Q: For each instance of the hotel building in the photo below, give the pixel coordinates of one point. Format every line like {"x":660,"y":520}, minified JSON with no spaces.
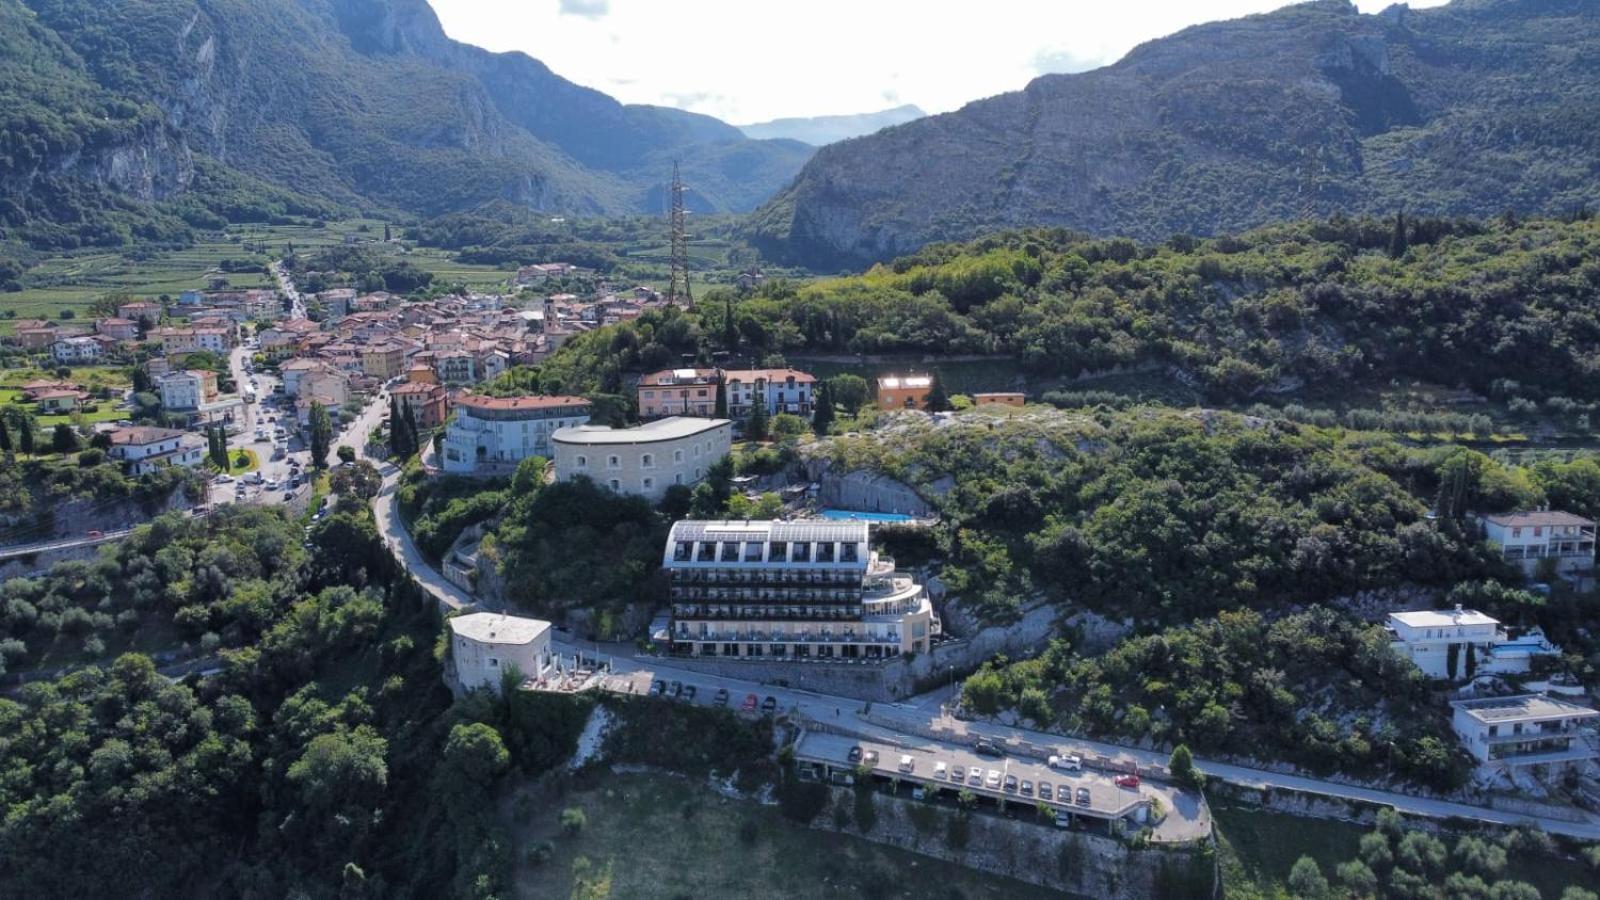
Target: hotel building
{"x":499,"y":432}
{"x":811,"y":590}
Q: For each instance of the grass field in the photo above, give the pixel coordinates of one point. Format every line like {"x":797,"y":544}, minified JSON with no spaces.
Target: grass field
{"x":1259,"y":847}
{"x":654,"y":837}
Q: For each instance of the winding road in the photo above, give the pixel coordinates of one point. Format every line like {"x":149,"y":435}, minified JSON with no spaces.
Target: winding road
{"x":913,"y":721}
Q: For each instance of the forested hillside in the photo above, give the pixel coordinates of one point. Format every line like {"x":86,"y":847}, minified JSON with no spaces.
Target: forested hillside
{"x":1467,"y":109}
{"x":141,"y":119}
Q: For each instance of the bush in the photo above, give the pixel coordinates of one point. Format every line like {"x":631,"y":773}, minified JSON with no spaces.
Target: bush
{"x":573,"y":820}
{"x":540,"y":853}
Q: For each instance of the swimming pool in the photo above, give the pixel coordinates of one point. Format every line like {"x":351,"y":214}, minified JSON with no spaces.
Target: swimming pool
{"x":850,"y":515}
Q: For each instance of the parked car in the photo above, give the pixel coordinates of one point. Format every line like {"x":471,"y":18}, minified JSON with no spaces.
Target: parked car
{"x":769,"y":705}
{"x":854,"y":755}
{"x":1127,"y":781}
{"x":96,"y":534}
{"x":689,"y":692}
{"x":1083,"y":796}
{"x":224,"y":478}
{"x":658,"y":687}
{"x":870,"y":757}
{"x":992,"y":779}
{"x":290,"y":495}
{"x":1011,"y":783}
{"x":1026,"y":788}
{"x":677,"y":688}
{"x":941,"y":769}
{"x":986,"y":747}
{"x":1046,"y":792}
{"x":906,"y":763}
{"x":722,"y":696}
{"x":749,"y":703}
{"x":1067,"y":763}
{"x":975,"y":777}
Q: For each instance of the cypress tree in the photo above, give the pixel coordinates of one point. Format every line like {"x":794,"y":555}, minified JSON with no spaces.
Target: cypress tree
{"x":1398,"y":244}
{"x":938,"y":401}
{"x":721,"y":409}
{"x":5,"y":436}
{"x":25,"y":435}
{"x":730,"y":330}
{"x":756,"y":427}
{"x":822,"y":412}
{"x":413,"y":435}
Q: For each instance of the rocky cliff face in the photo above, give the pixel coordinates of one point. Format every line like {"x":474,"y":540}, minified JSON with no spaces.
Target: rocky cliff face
{"x":1307,"y":111}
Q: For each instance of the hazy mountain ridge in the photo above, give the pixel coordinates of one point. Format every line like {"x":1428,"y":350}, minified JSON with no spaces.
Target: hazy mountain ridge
{"x":820,"y":131}
{"x":1311,"y":110}
{"x":365,"y":103}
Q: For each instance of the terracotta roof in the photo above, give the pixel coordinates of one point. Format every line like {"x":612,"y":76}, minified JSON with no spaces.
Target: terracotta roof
{"x":770,"y":375}
{"x":669,"y":377}
{"x":416,"y":387}
{"x":143,"y":434}
{"x":531,"y":402}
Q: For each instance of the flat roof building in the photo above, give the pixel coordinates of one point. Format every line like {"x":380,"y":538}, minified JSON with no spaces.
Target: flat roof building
{"x":499,"y":432}
{"x":1455,"y":644}
{"x":904,"y":391}
{"x":645,"y":460}
{"x":802,"y":591}
{"x":1526,"y":730}
{"x":484,"y":646}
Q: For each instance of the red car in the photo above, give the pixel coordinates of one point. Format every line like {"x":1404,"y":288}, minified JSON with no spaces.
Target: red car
{"x":96,"y":534}
{"x":749,"y":703}
{"x":1127,"y":781}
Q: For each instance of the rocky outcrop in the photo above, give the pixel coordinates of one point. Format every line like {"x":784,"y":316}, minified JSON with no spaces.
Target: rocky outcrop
{"x":1307,"y":111}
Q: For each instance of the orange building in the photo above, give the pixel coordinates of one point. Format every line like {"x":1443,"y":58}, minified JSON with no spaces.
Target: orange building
{"x":904,"y":391}
{"x":1000,"y":398}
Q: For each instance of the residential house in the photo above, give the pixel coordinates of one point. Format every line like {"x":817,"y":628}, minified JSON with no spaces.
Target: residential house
{"x":646,"y":459}
{"x":384,"y":360}
{"x":143,"y":449}
{"x":455,"y":366}
{"x":58,"y":401}
{"x":120,"y":329}
{"x":904,"y":391}
{"x":73,"y":350}
{"x":499,"y":432}
{"x":1527,"y":731}
{"x":37,"y":337}
{"x":1528,"y":539}
{"x":140,"y":309}
{"x":293,"y":370}
{"x":1464,"y":643}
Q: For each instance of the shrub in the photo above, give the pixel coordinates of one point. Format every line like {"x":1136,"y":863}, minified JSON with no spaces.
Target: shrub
{"x":573,"y":820}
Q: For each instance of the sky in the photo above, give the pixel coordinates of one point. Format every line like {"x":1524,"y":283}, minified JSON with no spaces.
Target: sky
{"x":749,"y":61}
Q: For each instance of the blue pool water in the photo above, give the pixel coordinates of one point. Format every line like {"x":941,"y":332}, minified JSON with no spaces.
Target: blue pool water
{"x":850,"y":515}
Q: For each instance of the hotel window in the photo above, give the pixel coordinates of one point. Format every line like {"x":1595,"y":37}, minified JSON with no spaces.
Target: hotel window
{"x":730,"y":551}
{"x":824,"y":552}
{"x":708,"y":552}
{"x":847,"y":552}
{"x":802,"y":553}
{"x":752,"y":551}
{"x":778,"y":551}
{"x":682,"y":551}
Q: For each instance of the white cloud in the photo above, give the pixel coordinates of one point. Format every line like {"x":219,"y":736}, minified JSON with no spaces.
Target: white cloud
{"x":589,"y":9}
{"x":748,"y":61}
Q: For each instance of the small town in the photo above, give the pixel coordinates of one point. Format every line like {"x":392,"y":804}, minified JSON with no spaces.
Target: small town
{"x":443,"y":456}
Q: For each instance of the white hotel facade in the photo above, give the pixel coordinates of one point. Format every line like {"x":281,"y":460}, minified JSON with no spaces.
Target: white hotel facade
{"x":801,"y":591}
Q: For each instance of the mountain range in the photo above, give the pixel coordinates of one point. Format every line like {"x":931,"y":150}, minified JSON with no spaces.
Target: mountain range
{"x":213,"y":105}
{"x":1467,"y":109}
{"x":819,"y":131}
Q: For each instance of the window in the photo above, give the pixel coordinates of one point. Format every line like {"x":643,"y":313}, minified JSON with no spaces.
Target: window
{"x":1516,"y":532}
{"x":708,"y":552}
{"x":1538,"y":531}
{"x":613,"y":462}
{"x":778,"y":551}
{"x":647,"y":461}
{"x":825,"y":553}
{"x":582,"y":462}
{"x":649,"y":484}
{"x":730,"y":551}
{"x":677,"y":456}
{"x":649,"y":395}
{"x":752,"y":551}
{"x":494,"y":662}
{"x":802,"y":552}
{"x":847,"y":552}
{"x":615,"y":485}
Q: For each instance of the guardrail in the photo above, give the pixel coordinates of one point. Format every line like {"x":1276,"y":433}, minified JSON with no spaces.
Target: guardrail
{"x":16,"y":550}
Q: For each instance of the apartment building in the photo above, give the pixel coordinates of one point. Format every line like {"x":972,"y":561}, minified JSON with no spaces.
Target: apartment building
{"x":117,"y":329}
{"x":188,"y":389}
{"x":791,"y":591}
{"x":499,"y":432}
{"x":429,"y":403}
{"x":1527,"y":730}
{"x":384,"y":360}
{"x":1529,"y":538}
{"x":782,"y":390}
{"x":678,"y":392}
{"x":81,"y":349}
{"x":214,"y":339}
{"x":644,"y":460}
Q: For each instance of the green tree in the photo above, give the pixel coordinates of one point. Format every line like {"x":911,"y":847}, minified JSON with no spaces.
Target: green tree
{"x":346,"y":453}
{"x":1306,"y":880}
{"x":720,"y":411}
{"x":938,"y":400}
{"x":474,"y":756}
{"x":63,"y":439}
{"x":730,"y":329}
{"x":850,"y":392}
{"x":25,"y":434}
{"x":822,"y":409}
{"x":5,"y":437}
{"x":1181,"y":764}
{"x":413,"y":434}
{"x":1398,"y":241}
{"x":397,"y":430}
{"x":321,"y":427}
{"x":756,"y":426}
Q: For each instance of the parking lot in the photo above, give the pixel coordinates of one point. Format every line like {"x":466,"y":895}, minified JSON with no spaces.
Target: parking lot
{"x":1002,"y":780}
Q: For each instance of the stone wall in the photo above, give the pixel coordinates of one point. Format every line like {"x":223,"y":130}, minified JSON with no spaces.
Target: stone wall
{"x":1079,"y":863}
{"x":864,"y":491}
{"x":34,"y":564}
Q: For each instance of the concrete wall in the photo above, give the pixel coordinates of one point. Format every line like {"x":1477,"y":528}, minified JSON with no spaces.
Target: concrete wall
{"x":864,"y":491}
{"x":1081,"y":864}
